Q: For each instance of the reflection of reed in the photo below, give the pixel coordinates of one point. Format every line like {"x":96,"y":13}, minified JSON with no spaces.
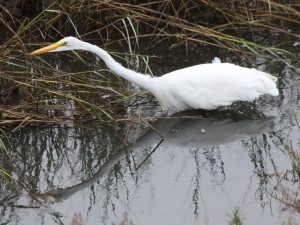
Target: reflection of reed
{"x":182,"y":130}
{"x":40,"y":155}
{"x":286,"y":188}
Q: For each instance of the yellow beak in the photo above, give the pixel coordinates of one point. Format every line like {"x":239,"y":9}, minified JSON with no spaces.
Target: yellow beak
{"x":47,"y":48}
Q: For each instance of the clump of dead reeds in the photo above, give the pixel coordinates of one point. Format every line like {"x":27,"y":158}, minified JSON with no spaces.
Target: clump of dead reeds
{"x":33,"y":90}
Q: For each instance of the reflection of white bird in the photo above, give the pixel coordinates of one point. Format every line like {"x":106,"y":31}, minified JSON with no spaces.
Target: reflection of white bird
{"x":205,"y":86}
{"x":191,"y":130}
{"x":182,"y":132}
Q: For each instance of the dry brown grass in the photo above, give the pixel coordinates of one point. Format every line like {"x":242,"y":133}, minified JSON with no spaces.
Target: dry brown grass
{"x":32,"y":90}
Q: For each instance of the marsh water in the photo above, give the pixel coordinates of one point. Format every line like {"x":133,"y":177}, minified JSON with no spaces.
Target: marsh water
{"x":207,"y":166}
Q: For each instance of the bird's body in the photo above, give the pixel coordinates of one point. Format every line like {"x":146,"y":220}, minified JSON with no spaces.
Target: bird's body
{"x":209,"y":86}
{"x":204,"y":86}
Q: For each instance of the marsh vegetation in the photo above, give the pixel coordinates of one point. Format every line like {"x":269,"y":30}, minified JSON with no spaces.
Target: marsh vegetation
{"x":41,"y":89}
{"x":76,"y":138}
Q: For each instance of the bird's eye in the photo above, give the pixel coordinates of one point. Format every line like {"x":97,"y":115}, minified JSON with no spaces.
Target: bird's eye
{"x":65,"y":44}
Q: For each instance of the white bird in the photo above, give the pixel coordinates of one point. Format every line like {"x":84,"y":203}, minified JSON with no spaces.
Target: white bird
{"x":204,"y":86}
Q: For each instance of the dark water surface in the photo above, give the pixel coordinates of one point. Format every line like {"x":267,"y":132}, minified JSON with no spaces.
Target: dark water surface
{"x":208,"y":164}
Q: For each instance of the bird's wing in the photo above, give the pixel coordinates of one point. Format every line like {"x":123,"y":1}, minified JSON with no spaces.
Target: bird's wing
{"x":209,"y":86}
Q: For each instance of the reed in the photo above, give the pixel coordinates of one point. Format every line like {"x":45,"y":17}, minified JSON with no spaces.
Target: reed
{"x":33,"y":90}
{"x":235,"y":217}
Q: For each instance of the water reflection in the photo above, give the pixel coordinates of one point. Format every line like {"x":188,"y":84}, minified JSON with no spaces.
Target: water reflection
{"x":55,"y":163}
{"x":183,"y":130}
{"x":189,"y":129}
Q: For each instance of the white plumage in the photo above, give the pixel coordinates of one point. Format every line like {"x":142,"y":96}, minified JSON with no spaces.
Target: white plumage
{"x":204,"y":86}
{"x":208,"y":86}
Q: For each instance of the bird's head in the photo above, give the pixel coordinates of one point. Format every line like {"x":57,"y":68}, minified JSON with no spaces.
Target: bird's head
{"x":65,"y":44}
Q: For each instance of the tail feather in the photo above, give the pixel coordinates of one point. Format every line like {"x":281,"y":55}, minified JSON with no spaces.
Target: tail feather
{"x":216,"y":60}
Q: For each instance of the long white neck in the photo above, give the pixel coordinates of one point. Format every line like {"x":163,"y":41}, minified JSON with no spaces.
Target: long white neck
{"x":139,"y":79}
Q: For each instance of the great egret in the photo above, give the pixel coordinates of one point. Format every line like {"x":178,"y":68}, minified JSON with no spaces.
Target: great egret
{"x":204,"y":86}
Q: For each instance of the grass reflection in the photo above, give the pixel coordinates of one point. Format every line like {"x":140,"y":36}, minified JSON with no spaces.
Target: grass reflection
{"x":53,"y":164}
{"x":287,"y":188}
